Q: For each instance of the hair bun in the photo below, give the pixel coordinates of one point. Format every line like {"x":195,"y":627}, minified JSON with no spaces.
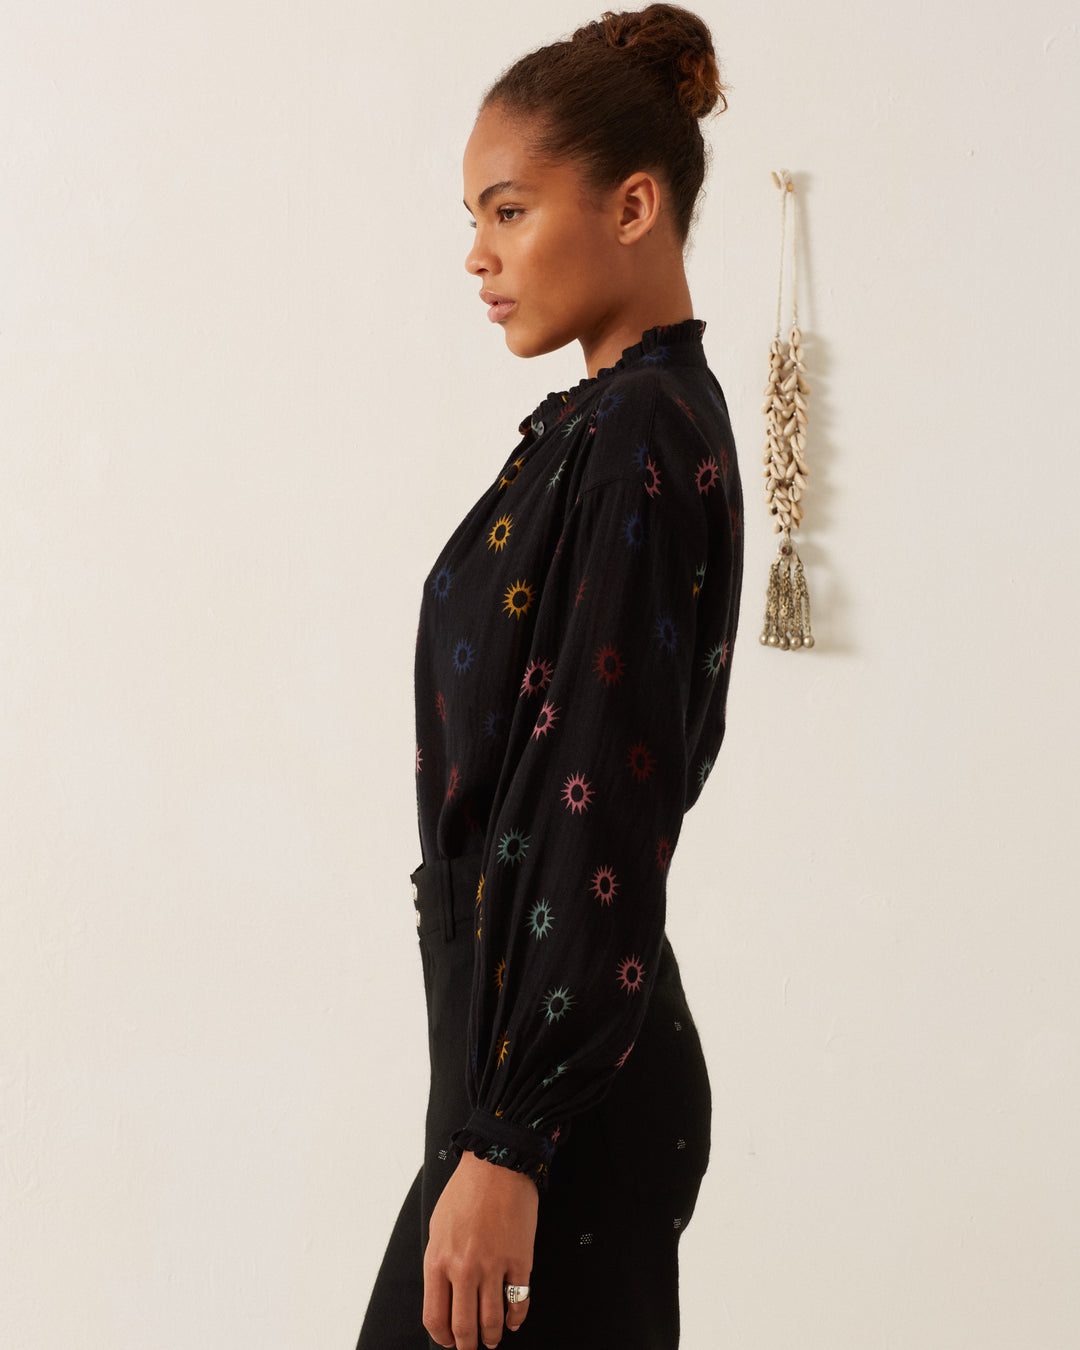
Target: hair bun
{"x":669,"y":39}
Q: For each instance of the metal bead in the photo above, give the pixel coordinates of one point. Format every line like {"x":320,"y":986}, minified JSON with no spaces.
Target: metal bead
{"x":796,"y":643}
{"x":784,"y":644}
{"x":764,"y":638}
{"x":774,"y":641}
{"x":808,"y":641}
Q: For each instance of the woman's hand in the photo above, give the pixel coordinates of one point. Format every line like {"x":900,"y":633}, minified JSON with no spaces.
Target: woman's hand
{"x":481,"y":1236}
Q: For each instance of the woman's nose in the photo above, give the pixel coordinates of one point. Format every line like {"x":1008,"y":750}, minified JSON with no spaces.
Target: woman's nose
{"x":479,"y":258}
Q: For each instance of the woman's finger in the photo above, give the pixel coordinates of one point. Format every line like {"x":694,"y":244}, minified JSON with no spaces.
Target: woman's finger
{"x":463,"y":1314}
{"x":437,"y":1306}
{"x":516,"y":1312}
{"x":491,"y":1311}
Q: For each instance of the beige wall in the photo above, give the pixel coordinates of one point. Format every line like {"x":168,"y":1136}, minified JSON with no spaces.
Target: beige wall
{"x":246,"y":392}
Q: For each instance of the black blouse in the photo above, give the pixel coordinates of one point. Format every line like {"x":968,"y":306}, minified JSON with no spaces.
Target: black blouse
{"x":572,"y":666}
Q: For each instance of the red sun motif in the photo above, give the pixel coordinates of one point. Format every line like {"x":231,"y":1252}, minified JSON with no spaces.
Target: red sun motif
{"x":454,"y":783}
{"x":624,"y":1056}
{"x":652,"y":478}
{"x":631,"y":974}
{"x":734,"y":522}
{"x":537,"y":677}
{"x":546,"y":719}
{"x":440,"y":705}
{"x":663,"y":851}
{"x":604,"y":885}
{"x":577,"y":793}
{"x":608,"y":665}
{"x":581,"y":589}
{"x":641,"y":762}
{"x":707,"y":475}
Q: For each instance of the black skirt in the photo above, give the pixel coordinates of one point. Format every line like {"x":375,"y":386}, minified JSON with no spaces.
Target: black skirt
{"x":622,"y":1187}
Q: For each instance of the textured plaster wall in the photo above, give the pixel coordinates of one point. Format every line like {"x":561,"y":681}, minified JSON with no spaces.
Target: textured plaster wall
{"x":246,"y":392}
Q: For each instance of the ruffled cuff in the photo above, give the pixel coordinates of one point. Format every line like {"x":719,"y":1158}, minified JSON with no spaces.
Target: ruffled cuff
{"x":506,"y":1145}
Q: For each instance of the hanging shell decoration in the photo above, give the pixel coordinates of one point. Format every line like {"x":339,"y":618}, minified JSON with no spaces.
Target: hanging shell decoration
{"x":787,"y":604}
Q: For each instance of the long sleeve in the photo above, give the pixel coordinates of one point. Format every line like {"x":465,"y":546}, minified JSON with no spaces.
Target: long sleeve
{"x":616,"y":723}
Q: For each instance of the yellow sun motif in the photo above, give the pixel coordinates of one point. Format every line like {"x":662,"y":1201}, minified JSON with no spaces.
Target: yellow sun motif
{"x":500,"y":533}
{"x":504,"y":1046}
{"x":500,"y":972}
{"x":518,"y":599}
{"x":479,"y":906}
{"x":499,"y":1110}
{"x":508,"y":478}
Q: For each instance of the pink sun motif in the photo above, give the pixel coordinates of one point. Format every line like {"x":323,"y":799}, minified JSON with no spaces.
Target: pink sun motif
{"x":581,"y":589}
{"x":419,"y":757}
{"x":706,"y":476}
{"x":734,"y":522}
{"x":608,"y":664}
{"x":624,"y":1056}
{"x":440,"y":705}
{"x":631,"y":974}
{"x":454,"y":783}
{"x":604,"y":885}
{"x":640,"y":761}
{"x":686,"y":408}
{"x":725,"y":464}
{"x":652,"y":479}
{"x":577,"y":793}
{"x":537,"y":677}
{"x":663,"y":851}
{"x":547,"y":718}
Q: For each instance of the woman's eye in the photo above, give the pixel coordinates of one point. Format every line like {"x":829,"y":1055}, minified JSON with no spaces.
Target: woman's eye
{"x":502,"y":213}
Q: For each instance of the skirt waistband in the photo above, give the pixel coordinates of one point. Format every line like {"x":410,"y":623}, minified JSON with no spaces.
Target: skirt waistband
{"x":444,"y":895}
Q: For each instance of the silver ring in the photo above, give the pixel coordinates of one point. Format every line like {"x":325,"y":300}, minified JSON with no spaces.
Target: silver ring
{"x":517,"y":1293}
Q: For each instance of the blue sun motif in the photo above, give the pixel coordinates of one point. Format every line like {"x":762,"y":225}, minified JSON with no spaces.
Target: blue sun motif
{"x":607,"y":405}
{"x":541,"y":921}
{"x":556,"y":1003}
{"x":513,"y":846}
{"x":665,"y":634}
{"x":704,"y":770}
{"x":463,"y":656}
{"x":495,"y":724}
{"x":495,"y":1154}
{"x":656,"y":357}
{"x":633,"y":532}
{"x":440,"y":586}
{"x":641,"y":454}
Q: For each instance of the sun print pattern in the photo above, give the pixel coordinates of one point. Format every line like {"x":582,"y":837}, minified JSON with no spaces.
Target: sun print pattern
{"x":577,"y":793}
{"x":604,"y":885}
{"x":518,"y":599}
{"x":546,"y":720}
{"x":568,"y":639}
{"x":500,"y":533}
{"x":631,"y":974}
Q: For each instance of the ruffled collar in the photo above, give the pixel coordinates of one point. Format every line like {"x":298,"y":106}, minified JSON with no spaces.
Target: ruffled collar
{"x":683,"y":336}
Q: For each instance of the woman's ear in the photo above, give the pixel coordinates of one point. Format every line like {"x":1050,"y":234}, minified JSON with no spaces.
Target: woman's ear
{"x":638,"y":199}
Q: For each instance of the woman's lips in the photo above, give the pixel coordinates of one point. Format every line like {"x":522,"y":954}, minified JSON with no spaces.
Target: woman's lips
{"x":500,"y":310}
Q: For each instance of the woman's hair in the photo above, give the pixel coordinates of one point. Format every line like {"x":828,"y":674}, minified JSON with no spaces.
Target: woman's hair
{"x":625,"y":93}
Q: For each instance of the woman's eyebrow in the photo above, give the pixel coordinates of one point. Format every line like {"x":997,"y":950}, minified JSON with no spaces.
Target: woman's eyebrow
{"x":489,"y":192}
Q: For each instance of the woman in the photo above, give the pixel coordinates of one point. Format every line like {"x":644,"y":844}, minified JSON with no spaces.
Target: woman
{"x":572,"y":664}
